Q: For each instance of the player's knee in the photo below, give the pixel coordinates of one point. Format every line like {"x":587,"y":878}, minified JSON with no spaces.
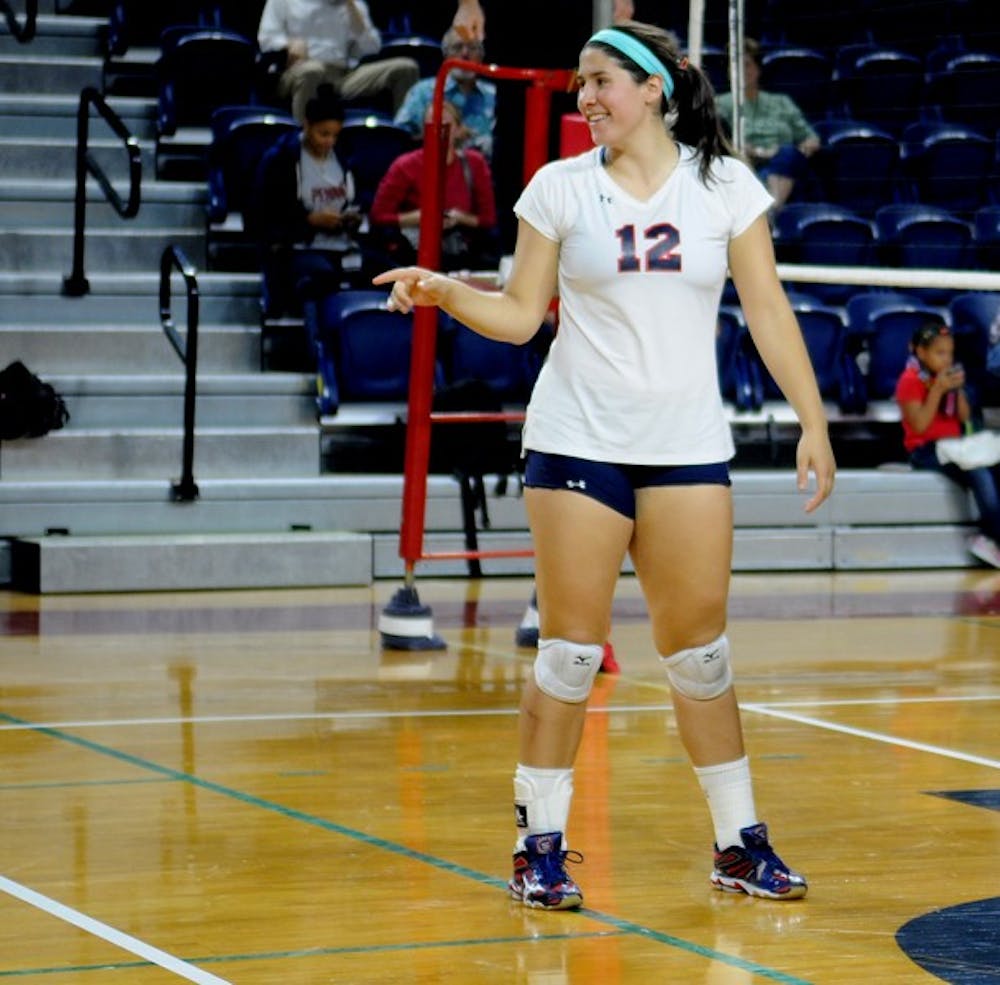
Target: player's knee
{"x":701,"y":672}
{"x":566,"y":671}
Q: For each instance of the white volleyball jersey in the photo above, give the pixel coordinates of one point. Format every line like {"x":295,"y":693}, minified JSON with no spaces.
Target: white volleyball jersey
{"x":631,"y":376}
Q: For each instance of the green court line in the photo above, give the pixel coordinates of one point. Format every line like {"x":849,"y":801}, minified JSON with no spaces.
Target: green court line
{"x":82,"y":783}
{"x":381,"y":843}
{"x":321,"y":952}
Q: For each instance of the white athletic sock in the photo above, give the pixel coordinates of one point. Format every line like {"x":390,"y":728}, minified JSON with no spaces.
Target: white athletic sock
{"x":541,"y":801}
{"x":729,"y":790}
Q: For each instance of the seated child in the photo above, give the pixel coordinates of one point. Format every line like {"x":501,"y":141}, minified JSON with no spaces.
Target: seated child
{"x":932,"y":399}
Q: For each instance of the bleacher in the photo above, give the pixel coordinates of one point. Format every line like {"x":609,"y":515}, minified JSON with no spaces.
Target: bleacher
{"x":297,"y":491}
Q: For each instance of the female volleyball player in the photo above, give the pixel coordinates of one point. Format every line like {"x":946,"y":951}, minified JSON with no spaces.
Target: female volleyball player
{"x":626,"y":438}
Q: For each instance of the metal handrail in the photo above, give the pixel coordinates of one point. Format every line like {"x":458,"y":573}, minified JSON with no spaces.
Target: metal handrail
{"x":76,"y":284}
{"x":185,"y":490}
{"x":25,"y":32}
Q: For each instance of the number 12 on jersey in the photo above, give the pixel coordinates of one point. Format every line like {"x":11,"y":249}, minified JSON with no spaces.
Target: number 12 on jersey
{"x":661,"y":251}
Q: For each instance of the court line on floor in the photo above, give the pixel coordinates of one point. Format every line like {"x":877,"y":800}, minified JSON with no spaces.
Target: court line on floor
{"x":321,"y":952}
{"x":861,"y":733}
{"x":383,"y":844}
{"x":310,"y":716}
{"x":298,"y":717}
{"x":110,"y":934}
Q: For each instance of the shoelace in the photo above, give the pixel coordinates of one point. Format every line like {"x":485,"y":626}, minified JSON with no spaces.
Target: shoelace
{"x":551,"y":867}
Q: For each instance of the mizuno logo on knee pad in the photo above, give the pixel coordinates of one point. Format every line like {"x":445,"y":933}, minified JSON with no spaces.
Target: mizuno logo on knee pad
{"x":701,"y":672}
{"x":566,"y":671}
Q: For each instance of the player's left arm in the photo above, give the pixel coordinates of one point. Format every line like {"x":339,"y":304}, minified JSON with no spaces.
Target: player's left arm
{"x":778,"y":339}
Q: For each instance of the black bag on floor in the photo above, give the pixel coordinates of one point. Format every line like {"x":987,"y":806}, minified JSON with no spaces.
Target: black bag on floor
{"x":29,"y":407}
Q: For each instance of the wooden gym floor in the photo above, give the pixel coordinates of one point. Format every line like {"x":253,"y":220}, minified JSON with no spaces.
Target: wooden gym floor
{"x":242,"y":787}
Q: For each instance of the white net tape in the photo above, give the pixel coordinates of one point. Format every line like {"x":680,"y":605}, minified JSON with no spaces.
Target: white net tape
{"x":902,"y":277}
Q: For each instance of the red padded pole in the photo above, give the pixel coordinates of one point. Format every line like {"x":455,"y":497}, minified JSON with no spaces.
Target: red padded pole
{"x":418,"y":426}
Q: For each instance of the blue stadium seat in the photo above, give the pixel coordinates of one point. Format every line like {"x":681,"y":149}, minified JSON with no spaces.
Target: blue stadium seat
{"x":884,"y":87}
{"x":792,"y":22}
{"x":510,"y":370}
{"x":882,"y":324}
{"x":139,"y":23}
{"x":915,"y":235}
{"x":368,"y":144}
{"x":948,"y":164}
{"x":858,"y":164}
{"x":738,"y":364}
{"x":827,"y":234}
{"x":973,"y":314}
{"x":240,"y":136}
{"x":986,"y":229}
{"x":912,"y":25}
{"x":200,"y":71}
{"x":824,"y":330}
{"x":967,"y":90}
{"x":803,"y":74}
{"x":362,"y":349}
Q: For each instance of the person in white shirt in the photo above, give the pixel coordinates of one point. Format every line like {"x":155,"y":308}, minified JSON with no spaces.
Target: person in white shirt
{"x":304,"y":211}
{"x":626,"y":439}
{"x":324,"y":41}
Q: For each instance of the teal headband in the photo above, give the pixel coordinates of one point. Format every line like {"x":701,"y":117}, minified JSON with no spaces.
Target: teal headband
{"x":638,"y":52}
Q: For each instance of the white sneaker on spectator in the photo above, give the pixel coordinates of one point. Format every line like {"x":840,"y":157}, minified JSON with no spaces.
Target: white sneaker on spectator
{"x":985,"y":549}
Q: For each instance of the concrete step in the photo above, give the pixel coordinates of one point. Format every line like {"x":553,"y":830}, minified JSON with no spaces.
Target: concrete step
{"x":106,"y":349}
{"x":23,"y":71}
{"x":55,"y":157}
{"x":172,"y":562}
{"x":271,"y":400}
{"x":861,"y":528}
{"x":47,"y":116}
{"x":124,"y":247}
{"x":263,"y":501}
{"x":55,"y":35}
{"x":27,"y":203}
{"x":35,"y":297}
{"x":146,"y":453}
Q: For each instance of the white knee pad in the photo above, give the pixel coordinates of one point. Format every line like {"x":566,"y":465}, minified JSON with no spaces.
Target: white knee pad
{"x":566,"y":671}
{"x":701,"y":672}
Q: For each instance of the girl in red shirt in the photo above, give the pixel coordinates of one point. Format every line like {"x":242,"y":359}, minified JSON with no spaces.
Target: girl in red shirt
{"x":932,"y":399}
{"x":470,"y":215}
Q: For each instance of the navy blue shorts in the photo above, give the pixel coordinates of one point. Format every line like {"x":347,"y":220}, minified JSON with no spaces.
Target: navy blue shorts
{"x":615,"y":485}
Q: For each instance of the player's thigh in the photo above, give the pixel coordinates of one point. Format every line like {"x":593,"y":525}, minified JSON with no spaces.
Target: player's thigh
{"x":682,"y":553}
{"x":579,"y":548}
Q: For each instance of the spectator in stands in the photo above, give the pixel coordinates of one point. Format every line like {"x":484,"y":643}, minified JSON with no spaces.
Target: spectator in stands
{"x":305,"y":214}
{"x":324,"y":41}
{"x":934,"y":406}
{"x":470,"y":216}
{"x":627,"y":445}
{"x":778,"y":138}
{"x":473,"y":96}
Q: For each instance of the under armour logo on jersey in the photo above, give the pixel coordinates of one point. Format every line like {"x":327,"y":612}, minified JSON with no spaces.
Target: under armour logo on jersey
{"x":576,"y":483}
{"x":602,"y":198}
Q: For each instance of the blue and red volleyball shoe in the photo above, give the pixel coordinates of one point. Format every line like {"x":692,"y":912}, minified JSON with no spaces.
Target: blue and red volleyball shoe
{"x":755,"y":869}
{"x":540,"y":878}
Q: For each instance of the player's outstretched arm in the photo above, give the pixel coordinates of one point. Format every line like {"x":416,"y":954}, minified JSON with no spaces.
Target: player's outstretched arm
{"x":512,"y":314}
